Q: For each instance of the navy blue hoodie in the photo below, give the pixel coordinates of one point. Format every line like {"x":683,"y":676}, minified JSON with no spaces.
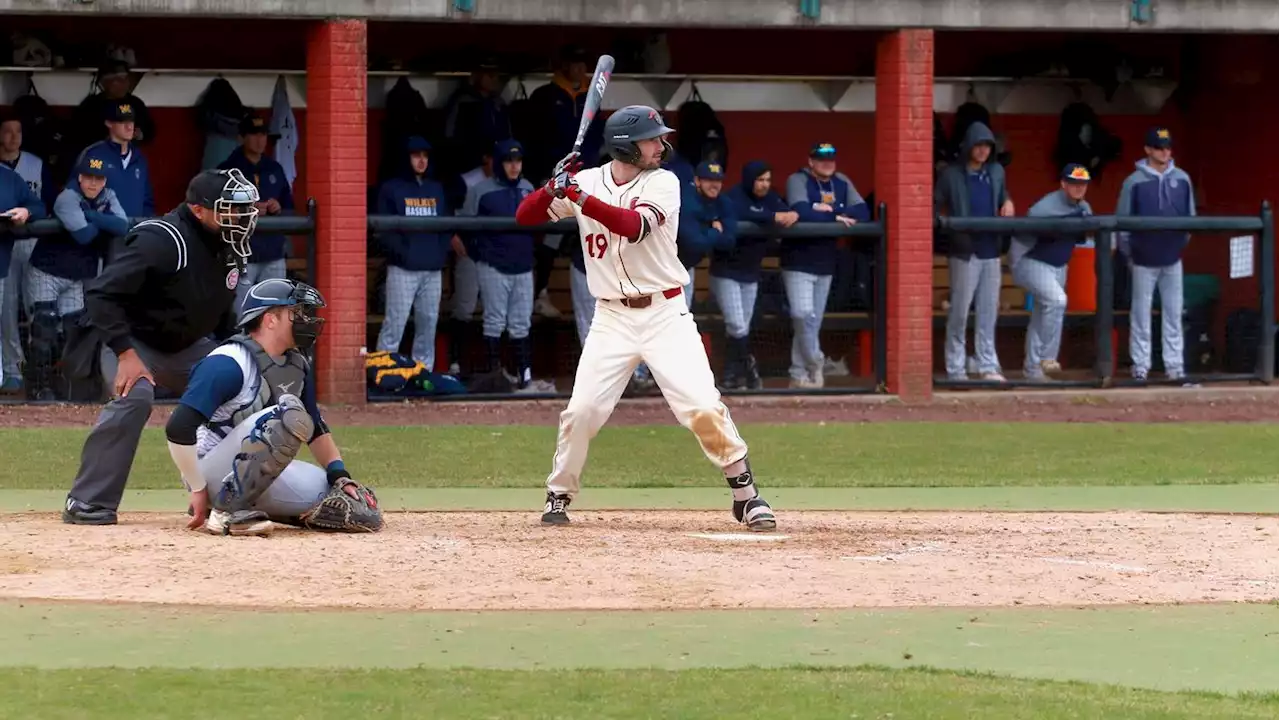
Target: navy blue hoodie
{"x":128,"y":175}
{"x":817,"y":256}
{"x":90,"y":225}
{"x":1151,"y":193}
{"x":14,"y":193}
{"x":510,"y":253}
{"x":412,"y":195}
{"x":268,"y":176}
{"x":696,"y":237}
{"x":742,"y":263}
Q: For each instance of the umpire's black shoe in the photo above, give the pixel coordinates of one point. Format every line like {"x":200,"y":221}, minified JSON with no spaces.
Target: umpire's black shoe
{"x":556,"y":511}
{"x":78,"y":513}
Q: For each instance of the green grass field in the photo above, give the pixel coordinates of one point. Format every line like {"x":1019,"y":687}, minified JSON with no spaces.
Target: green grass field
{"x":71,"y":660}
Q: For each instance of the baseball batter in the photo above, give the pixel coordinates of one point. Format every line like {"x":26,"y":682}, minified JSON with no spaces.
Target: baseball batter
{"x":628,"y":213}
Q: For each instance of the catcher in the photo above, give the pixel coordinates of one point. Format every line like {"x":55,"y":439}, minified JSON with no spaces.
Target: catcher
{"x":248,"y":408}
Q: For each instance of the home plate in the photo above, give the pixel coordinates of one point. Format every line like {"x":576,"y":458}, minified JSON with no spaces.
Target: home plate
{"x":739,"y":537}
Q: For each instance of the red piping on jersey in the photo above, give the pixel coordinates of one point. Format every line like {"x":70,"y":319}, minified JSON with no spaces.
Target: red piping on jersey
{"x":620,"y":221}
{"x":533,"y":209}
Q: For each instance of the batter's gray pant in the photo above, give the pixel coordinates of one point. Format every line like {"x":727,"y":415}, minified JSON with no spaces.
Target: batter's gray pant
{"x":256,"y":272}
{"x":973,"y":281}
{"x":508,"y":302}
{"x":584,"y":306}
{"x":1145,"y":282}
{"x":807,"y":296}
{"x":466,"y":289}
{"x":108,"y":452}
{"x":10,"y":295}
{"x":296,"y":490}
{"x":418,"y":290}
{"x":1047,"y":285}
{"x":45,"y":288}
{"x":737,"y":302}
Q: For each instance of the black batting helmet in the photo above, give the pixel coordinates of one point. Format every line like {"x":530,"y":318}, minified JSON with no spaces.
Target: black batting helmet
{"x":632,"y":123}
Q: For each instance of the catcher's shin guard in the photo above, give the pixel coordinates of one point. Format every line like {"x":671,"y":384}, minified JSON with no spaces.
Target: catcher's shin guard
{"x":266,"y":451}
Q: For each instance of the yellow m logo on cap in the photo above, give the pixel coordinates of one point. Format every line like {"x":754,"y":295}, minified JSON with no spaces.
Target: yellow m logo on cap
{"x":126,"y":109}
{"x":1162,"y":134}
{"x":95,"y":164}
{"x":714,"y":168}
{"x":1079,"y":173}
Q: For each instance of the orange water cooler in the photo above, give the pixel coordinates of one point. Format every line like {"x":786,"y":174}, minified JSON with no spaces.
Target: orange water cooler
{"x":1082,"y":279}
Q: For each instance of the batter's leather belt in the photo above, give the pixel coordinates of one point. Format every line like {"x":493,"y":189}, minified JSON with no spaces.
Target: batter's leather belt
{"x":646,"y":300}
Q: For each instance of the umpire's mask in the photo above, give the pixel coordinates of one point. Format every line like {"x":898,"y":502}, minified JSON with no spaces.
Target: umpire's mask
{"x":231,"y":197}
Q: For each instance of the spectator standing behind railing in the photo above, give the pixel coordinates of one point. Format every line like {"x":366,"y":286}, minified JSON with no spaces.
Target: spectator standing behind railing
{"x":707,"y":221}
{"x":415,"y":259}
{"x":974,"y":186}
{"x":18,"y":205}
{"x":269,"y":250}
{"x":735,"y":273}
{"x":818,"y":194}
{"x":36,"y":173}
{"x":1157,"y":188}
{"x":91,"y":217}
{"x":475,"y":117}
{"x":86,"y":122}
{"x":466,"y":281}
{"x":1039,"y":265}
{"x":128,"y":174}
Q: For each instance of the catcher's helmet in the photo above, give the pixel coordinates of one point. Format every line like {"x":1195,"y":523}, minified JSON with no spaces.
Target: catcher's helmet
{"x":278,"y":292}
{"x":632,"y":123}
{"x":231,"y":197}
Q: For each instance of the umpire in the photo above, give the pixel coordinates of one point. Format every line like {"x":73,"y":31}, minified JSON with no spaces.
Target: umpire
{"x":169,"y":287}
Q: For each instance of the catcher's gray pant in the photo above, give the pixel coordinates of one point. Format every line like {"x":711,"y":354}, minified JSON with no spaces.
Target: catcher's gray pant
{"x":584,"y":306}
{"x":45,"y":288}
{"x":508,"y":302}
{"x":295,"y":490}
{"x":1145,"y":282}
{"x":1046,"y":284}
{"x":418,"y":290}
{"x":108,"y":451}
{"x":10,"y":295}
{"x":807,"y":296}
{"x":973,"y":281}
{"x":737,"y":302}
{"x":256,"y":272}
{"x":466,"y":289}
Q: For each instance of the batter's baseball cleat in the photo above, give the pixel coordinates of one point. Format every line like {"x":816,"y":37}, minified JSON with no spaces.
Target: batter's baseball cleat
{"x":755,"y":514}
{"x":556,"y":511}
{"x":78,"y":513}
{"x":241,"y":522}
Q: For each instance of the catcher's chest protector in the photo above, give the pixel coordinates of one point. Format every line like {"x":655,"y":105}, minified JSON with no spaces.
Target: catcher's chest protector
{"x":274,"y":379}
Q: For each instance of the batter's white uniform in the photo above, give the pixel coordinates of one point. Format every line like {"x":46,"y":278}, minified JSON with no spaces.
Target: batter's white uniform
{"x":623,"y":276}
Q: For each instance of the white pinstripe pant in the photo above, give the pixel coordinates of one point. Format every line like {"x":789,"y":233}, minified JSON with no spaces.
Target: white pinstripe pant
{"x":417,"y":290}
{"x":1145,"y":282}
{"x":737,"y":302}
{"x":10,"y":296}
{"x":584,"y":306}
{"x":973,"y":281}
{"x":42,"y":287}
{"x":1047,"y":285}
{"x":807,"y":296}
{"x":508,"y":302}
{"x":256,"y":272}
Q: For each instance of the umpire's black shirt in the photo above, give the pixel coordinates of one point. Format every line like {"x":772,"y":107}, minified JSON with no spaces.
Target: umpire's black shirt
{"x":170,"y":283}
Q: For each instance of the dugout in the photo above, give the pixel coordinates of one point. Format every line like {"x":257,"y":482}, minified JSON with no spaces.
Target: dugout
{"x":775,"y":91}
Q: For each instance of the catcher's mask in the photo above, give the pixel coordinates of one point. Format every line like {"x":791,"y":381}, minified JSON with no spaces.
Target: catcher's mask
{"x":302,"y":299}
{"x":232,"y":199}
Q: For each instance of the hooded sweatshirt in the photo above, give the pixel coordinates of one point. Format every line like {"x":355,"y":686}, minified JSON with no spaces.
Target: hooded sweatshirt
{"x":510,"y":253}
{"x":14,"y":193}
{"x":1050,"y":248}
{"x":1150,"y":193}
{"x":817,"y":256}
{"x":90,"y":225}
{"x":268,"y":176}
{"x":742,"y":263}
{"x":696,"y":237}
{"x":412,"y":195}
{"x":961,"y":192}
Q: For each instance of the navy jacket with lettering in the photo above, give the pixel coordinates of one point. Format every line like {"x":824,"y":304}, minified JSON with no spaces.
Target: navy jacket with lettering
{"x":414,"y":196}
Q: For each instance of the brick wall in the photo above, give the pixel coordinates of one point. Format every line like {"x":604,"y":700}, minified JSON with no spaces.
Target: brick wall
{"x":903,"y":180}
{"x":335,"y":152}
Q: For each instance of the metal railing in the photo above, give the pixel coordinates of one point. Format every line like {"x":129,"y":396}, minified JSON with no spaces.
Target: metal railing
{"x":1104,"y":228}
{"x":871,"y":231}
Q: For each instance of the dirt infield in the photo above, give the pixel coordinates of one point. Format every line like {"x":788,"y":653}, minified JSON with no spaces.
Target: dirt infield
{"x":650,"y":560}
{"x":1221,"y":404}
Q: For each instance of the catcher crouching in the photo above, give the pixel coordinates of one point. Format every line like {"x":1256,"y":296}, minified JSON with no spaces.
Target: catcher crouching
{"x":248,"y":408}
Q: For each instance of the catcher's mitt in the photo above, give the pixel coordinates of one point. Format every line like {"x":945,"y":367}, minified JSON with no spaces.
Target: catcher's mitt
{"x":348,"y":507}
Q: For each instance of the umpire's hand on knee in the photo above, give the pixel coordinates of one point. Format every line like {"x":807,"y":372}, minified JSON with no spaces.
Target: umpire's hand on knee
{"x":129,"y":371}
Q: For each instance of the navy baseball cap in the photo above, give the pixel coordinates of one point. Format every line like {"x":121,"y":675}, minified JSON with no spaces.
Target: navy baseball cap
{"x":119,"y":112}
{"x":253,"y":125}
{"x":508,"y":150}
{"x":1076,"y":174}
{"x":709,"y":171}
{"x":823,"y":151}
{"x":417,"y":143}
{"x":1159,"y":137}
{"x":90,"y":164}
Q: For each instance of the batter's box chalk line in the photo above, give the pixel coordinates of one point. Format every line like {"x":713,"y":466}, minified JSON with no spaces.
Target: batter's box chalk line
{"x":1098,"y":564}
{"x":739,"y":537}
{"x":890,"y":557}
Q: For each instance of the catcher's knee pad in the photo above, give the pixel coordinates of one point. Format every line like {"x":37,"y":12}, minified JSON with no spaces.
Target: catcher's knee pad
{"x":265,"y":452}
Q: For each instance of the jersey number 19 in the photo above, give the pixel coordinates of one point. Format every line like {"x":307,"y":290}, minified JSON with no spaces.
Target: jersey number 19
{"x":597,"y":245}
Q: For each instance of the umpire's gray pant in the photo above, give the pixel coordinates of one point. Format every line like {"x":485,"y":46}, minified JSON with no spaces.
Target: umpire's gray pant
{"x":1145,"y":281}
{"x":973,"y":282}
{"x":108,"y":452}
{"x":418,"y":290}
{"x":295,"y":491}
{"x":11,"y":293}
{"x":1047,"y":285}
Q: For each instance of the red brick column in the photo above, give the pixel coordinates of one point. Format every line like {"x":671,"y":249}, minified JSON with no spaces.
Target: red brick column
{"x":335,"y":145}
{"x":904,"y":181}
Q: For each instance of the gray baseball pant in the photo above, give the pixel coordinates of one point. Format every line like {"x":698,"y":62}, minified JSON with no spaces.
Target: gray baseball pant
{"x":973,"y":282}
{"x":1047,"y":285}
{"x":1145,"y":282}
{"x":418,"y":290}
